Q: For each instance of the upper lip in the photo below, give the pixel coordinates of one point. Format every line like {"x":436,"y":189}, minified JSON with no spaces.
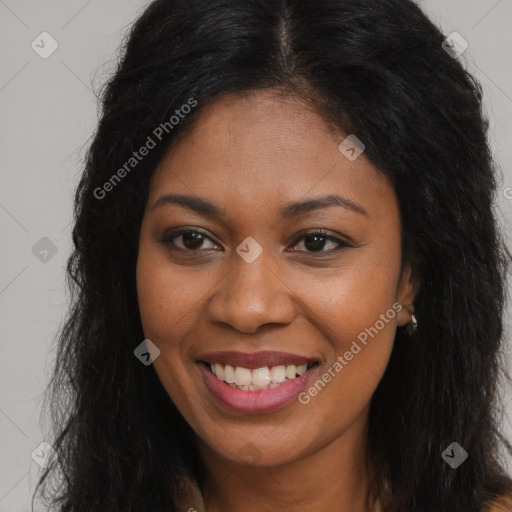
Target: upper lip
{"x":256,"y":360}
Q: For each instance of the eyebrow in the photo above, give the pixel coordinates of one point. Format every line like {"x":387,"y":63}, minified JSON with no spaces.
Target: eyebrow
{"x":287,"y":211}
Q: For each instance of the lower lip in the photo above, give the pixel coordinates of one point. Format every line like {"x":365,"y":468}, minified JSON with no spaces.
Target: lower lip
{"x":255,"y":401}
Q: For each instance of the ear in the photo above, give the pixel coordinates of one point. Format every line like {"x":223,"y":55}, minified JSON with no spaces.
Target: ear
{"x":409,"y":286}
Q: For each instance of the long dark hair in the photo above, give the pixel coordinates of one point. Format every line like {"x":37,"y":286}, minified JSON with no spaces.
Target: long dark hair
{"x":375,"y":68}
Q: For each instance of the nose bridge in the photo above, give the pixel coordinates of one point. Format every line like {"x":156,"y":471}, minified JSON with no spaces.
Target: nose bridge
{"x":251,"y":294}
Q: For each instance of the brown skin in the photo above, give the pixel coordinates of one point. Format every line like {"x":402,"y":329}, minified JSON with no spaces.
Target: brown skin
{"x":250,"y":155}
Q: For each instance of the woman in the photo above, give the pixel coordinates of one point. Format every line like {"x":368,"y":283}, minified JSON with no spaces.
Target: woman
{"x":288,"y":280}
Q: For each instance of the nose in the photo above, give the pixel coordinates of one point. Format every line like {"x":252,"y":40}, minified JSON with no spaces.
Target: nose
{"x":251,"y":295}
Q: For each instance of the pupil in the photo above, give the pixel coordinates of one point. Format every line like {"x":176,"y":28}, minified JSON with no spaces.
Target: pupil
{"x":318,"y":243}
{"x":196,"y":240}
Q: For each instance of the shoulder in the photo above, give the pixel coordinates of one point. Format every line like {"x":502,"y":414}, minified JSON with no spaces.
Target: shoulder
{"x":502,"y":503}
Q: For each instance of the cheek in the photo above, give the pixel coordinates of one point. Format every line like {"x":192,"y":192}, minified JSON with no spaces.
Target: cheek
{"x":166,"y":308}
{"x":356,"y":311}
{"x":352,"y":298}
{"x":167,"y":298}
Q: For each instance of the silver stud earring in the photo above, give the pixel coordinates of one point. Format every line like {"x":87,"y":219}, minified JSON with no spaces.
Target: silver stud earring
{"x":412,"y":325}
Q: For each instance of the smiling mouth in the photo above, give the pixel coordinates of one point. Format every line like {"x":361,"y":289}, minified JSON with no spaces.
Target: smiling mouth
{"x":266,"y":377}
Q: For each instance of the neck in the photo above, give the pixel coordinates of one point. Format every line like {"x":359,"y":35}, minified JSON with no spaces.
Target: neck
{"x":332,"y":477}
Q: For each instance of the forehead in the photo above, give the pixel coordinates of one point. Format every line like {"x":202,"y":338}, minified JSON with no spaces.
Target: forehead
{"x":262,"y":150}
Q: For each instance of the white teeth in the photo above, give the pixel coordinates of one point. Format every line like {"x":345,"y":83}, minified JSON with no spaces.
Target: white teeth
{"x":242,"y":376}
{"x":291,"y":370}
{"x":229,"y":374}
{"x":302,"y":369}
{"x":278,"y":373}
{"x":259,"y":378}
{"x":218,"y":370}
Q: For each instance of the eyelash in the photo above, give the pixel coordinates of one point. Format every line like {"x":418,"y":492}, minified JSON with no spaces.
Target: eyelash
{"x":168,"y":240}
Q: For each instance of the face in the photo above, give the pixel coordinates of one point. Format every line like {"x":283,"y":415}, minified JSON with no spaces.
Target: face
{"x":262,"y":276}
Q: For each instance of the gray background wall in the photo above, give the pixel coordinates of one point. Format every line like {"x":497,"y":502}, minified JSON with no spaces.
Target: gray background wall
{"x":47,"y":113}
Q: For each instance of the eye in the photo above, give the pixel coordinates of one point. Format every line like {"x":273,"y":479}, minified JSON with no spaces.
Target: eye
{"x":186,"y":239}
{"x":191,"y":239}
{"x":315,"y":241}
